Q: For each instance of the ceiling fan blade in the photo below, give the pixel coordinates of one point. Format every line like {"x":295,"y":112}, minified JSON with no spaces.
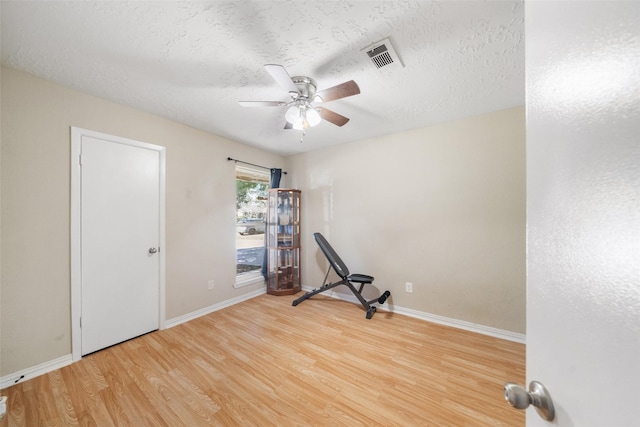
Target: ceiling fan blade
{"x":262,"y":103}
{"x":333,"y":117}
{"x":340,"y":91}
{"x":281,"y":76}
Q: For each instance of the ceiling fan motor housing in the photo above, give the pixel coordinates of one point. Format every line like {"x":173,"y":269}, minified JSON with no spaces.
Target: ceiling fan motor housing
{"x":306,"y":86}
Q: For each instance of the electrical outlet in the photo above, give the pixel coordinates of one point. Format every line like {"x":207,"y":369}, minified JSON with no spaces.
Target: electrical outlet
{"x":212,"y":285}
{"x":408,"y":287}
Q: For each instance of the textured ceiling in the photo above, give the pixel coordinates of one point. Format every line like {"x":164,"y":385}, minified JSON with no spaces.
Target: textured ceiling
{"x":192,"y":61}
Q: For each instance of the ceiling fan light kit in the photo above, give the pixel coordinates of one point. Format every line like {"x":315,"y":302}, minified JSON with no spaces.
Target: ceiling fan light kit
{"x":302,"y":116}
{"x":301,"y":113}
{"x":307,"y":116}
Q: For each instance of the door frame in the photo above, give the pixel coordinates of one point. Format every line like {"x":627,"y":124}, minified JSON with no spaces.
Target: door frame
{"x":76,"y":229}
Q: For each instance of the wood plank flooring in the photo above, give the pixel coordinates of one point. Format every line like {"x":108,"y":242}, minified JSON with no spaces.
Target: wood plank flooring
{"x":265,"y":363}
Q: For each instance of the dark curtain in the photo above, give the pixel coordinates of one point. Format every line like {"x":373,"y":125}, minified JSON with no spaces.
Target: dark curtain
{"x":276,"y":174}
{"x":275,"y":177}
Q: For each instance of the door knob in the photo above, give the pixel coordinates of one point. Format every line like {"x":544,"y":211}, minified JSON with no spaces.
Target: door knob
{"x":152,"y":250}
{"x":537,"y":396}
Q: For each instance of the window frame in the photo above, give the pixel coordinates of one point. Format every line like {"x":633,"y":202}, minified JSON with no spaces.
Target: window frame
{"x":254,"y":174}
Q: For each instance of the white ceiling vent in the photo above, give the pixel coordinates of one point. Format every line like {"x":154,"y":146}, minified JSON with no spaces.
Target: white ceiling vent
{"x":383,"y":55}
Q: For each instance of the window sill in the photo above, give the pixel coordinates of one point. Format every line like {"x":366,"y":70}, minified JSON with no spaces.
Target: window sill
{"x":248,"y":279}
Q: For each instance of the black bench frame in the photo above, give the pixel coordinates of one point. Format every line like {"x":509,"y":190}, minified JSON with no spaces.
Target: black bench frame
{"x":347,"y":279}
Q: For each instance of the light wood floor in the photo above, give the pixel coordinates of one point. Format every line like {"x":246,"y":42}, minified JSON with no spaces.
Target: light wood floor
{"x":266,"y":363}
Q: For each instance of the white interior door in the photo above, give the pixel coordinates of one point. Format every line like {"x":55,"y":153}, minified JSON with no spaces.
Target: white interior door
{"x":120,"y":226}
{"x":583,"y":209}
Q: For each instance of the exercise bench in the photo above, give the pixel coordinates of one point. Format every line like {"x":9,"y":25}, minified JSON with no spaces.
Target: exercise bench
{"x":347,"y":279}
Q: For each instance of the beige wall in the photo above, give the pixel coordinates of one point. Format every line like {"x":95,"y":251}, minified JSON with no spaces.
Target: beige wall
{"x":442,"y":207}
{"x":35,"y":187}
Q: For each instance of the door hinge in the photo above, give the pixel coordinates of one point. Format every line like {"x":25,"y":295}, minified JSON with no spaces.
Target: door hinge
{"x":81,"y":322}
{"x":80,"y":159}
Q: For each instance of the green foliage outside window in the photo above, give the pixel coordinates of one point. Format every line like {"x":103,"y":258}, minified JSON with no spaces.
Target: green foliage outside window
{"x":248,"y":192}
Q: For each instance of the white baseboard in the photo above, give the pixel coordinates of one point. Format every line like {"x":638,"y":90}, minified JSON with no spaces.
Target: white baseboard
{"x":461,"y":324}
{"x":34,"y":371}
{"x":434,"y":318}
{"x":203,"y":311}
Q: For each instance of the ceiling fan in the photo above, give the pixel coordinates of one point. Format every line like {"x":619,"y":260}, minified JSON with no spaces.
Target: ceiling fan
{"x":302,"y":113}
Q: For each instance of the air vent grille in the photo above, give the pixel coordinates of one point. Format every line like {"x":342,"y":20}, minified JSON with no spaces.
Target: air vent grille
{"x":383,"y":55}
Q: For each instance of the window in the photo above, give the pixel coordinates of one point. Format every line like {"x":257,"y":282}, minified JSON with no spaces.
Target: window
{"x":251,"y":212}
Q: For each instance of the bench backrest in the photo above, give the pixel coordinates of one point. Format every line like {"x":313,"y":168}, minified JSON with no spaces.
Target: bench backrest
{"x":338,"y":265}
